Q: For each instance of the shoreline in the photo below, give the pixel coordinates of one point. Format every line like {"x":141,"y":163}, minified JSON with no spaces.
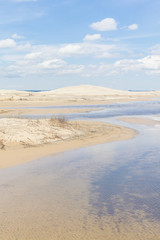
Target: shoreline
{"x":42,"y":111}
{"x":16,"y":155}
{"x":61,"y":106}
{"x":72,"y":102}
{"x":140,"y":120}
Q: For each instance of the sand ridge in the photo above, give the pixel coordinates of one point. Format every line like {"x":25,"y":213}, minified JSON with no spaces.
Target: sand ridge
{"x":140,"y":120}
{"x":23,"y":140}
{"x":43,"y":111}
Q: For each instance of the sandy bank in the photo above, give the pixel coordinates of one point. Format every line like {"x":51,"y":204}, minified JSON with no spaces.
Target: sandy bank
{"x":140,"y":120}
{"x":23,"y":140}
{"x":43,"y":111}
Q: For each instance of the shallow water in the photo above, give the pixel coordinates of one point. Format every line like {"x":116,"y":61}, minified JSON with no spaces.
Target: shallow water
{"x":105,"y":110}
{"x":105,"y":192}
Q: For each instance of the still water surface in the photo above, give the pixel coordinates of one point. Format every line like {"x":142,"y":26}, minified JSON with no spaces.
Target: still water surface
{"x":105,"y":110}
{"x":105,"y":192}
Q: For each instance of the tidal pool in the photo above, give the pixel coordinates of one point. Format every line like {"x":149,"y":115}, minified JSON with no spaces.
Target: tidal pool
{"x":104,"y":192}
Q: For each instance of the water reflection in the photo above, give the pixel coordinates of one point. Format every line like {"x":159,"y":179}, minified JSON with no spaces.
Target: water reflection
{"x":131,"y":187}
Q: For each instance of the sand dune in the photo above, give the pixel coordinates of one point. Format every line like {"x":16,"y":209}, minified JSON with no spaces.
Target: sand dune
{"x":15,"y":131}
{"x":88,"y":90}
{"x":23,"y":140}
{"x":75,"y":95}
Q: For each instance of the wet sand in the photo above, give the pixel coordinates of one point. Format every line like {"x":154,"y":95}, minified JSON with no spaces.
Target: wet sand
{"x":73,"y":102}
{"x":140,"y":120}
{"x":35,"y":111}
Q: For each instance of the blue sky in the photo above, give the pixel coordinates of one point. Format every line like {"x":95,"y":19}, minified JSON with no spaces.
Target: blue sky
{"x":47,"y":44}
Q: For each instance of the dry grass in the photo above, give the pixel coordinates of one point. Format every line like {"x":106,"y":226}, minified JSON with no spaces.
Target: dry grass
{"x":59,"y":121}
{"x":31,"y":132}
{"x":2,"y":145}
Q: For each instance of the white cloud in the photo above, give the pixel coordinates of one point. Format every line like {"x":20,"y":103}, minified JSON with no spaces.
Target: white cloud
{"x":16,"y":36}
{"x":25,"y":60}
{"x":148,"y":65}
{"x":70,"y":49}
{"x":151,"y":62}
{"x":34,"y":55}
{"x":92,"y":37}
{"x":133,"y":26}
{"x":86,"y":49}
{"x":127,"y":65}
{"x":7,"y":43}
{"x":71,"y":69}
{"x":53,"y":64}
{"x":106,"y":24}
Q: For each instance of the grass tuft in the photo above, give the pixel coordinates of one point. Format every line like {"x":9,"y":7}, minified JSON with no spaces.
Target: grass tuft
{"x":58,"y":121}
{"x":2,"y":145}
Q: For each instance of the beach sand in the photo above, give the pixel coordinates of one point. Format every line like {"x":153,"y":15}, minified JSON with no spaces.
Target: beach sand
{"x":23,"y":140}
{"x":140,"y":120}
{"x":37,"y":111}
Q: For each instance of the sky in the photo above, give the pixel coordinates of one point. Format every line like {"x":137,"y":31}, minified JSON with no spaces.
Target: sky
{"x":49,"y":44}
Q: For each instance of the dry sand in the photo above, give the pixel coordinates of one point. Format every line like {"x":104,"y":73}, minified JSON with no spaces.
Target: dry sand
{"x":23,"y":140}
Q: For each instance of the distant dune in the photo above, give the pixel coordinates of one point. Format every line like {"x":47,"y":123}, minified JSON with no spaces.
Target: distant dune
{"x":87,"y":90}
{"x":83,"y":94}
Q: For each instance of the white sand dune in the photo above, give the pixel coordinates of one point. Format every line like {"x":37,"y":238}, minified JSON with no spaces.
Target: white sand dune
{"x":34,"y":132}
{"x":74,"y":94}
{"x":88,"y":90}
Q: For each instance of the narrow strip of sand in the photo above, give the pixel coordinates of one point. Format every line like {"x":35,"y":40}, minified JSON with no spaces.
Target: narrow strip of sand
{"x":73,"y":102}
{"x":44,"y":111}
{"x":140,"y":120}
{"x":92,"y":133}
